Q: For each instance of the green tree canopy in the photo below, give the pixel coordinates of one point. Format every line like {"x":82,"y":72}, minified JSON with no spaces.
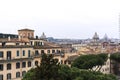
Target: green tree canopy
{"x":89,"y":61}
{"x":74,"y":73}
{"x":115,"y":57}
{"x":30,"y":75}
{"x":50,"y":69}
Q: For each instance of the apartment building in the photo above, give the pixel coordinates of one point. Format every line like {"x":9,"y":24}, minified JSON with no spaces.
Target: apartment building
{"x":18,"y":55}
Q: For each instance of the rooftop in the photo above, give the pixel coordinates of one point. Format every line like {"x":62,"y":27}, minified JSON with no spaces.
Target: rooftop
{"x":26,"y":29}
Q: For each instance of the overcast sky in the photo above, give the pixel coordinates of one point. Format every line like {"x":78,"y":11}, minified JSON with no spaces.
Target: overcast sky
{"x":78,"y":19}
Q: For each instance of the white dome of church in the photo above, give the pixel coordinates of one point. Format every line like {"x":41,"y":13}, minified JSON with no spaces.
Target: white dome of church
{"x":43,"y":36}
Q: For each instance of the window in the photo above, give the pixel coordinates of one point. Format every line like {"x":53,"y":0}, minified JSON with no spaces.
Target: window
{"x":17,"y":53}
{"x":36,"y":53}
{"x":8,"y":76}
{"x":29,"y":63}
{"x":23,"y":73}
{"x":23,"y":64}
{"x":58,"y":51}
{"x":53,"y":51}
{"x":39,"y":44}
{"x":1,"y":77}
{"x":36,"y":63}
{"x":29,"y":52}
{"x":35,"y":43}
{"x":48,"y":51}
{"x":17,"y":43}
{"x":42,"y":51}
{"x":25,"y":43}
{"x":65,"y":62}
{"x":3,"y":43}
{"x":23,"y":52}
{"x":1,"y":54}
{"x":1,"y":67}
{"x":17,"y":65}
{"x":31,"y":42}
{"x":8,"y":66}
{"x":17,"y":74}
{"x":69,"y":62}
{"x":8,"y":55}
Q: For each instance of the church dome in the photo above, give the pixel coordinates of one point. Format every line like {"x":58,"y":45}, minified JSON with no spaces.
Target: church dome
{"x":95,"y":36}
{"x":43,"y":36}
{"x":105,"y":38}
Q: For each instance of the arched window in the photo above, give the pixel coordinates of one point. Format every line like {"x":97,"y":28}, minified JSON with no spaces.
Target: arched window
{"x":53,"y":51}
{"x":17,"y":65}
{"x":8,"y":66}
{"x":17,"y":74}
{"x":36,"y":53}
{"x":29,"y":63}
{"x":23,"y":73}
{"x":1,"y":77}
{"x":23,"y":64}
{"x":48,"y":51}
{"x":8,"y":76}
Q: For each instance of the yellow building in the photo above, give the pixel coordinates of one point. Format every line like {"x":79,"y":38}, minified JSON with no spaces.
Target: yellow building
{"x":18,"y":55}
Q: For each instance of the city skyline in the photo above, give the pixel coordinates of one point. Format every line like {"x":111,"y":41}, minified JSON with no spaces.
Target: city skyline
{"x":76,"y":19}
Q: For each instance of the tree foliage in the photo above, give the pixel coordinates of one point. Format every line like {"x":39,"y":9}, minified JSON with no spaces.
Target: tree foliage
{"x":50,"y":69}
{"x":73,"y":73}
{"x":89,"y":61}
{"x":30,"y":75}
{"x":115,"y":57}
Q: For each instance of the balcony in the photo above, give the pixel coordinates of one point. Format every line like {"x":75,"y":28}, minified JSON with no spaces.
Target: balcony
{"x":14,"y":59}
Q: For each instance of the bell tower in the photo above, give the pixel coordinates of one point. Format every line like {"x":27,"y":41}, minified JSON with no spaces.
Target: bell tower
{"x":26,"y":33}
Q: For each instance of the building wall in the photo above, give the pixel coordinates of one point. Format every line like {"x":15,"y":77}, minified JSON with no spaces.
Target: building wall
{"x":26,"y":34}
{"x":35,"y":60}
{"x":14,"y":59}
{"x":22,"y":48}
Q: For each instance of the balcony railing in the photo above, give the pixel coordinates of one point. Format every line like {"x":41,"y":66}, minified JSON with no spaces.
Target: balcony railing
{"x":14,"y":59}
{"x":10,"y":59}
